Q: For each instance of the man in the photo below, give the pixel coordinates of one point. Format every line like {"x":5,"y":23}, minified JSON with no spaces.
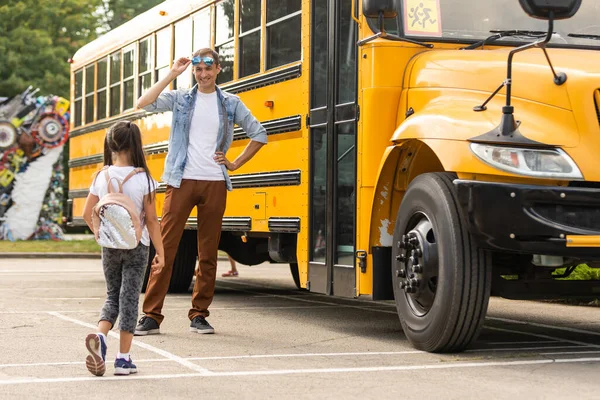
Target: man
{"x":196,"y":176}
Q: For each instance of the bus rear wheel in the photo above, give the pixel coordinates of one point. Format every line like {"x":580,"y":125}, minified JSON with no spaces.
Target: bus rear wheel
{"x":441,"y":278}
{"x":183,"y":266}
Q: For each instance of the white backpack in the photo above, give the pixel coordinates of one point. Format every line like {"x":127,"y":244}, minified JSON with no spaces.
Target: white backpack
{"x":116,"y":220}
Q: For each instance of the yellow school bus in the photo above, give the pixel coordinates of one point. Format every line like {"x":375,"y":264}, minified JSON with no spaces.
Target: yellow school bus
{"x":435,"y":152}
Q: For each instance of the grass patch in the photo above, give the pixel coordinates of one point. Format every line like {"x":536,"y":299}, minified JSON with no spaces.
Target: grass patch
{"x":49,"y":246}
{"x":581,"y":273}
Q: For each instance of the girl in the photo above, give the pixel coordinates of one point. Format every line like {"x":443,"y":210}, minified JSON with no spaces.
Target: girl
{"x":123,"y":269}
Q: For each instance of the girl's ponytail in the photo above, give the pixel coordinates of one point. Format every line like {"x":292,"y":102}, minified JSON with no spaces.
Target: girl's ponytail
{"x":126,"y":136}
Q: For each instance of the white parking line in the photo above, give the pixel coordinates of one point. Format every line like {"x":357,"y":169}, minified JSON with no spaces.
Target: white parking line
{"x":562,"y":328}
{"x":583,"y":344}
{"x":526,"y":348}
{"x":525,"y":342}
{"x":252,"y":356}
{"x":374,"y":353}
{"x":209,"y":374}
{"x":58,"y":364}
{"x":146,"y":346}
{"x":571,"y":352}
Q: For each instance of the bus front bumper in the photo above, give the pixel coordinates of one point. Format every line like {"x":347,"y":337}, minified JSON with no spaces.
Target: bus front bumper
{"x":549,"y":220}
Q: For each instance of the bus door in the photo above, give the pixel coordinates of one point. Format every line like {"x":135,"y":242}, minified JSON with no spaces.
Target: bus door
{"x":332,"y":122}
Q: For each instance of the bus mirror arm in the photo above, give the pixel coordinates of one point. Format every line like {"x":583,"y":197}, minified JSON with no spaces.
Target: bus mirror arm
{"x":507,"y":132}
{"x":382,"y":33}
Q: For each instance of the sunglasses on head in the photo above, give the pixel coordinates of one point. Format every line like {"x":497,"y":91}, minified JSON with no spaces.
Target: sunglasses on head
{"x":208,"y":61}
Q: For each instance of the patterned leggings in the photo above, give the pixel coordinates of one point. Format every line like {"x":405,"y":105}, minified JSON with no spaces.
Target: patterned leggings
{"x":124,"y":273}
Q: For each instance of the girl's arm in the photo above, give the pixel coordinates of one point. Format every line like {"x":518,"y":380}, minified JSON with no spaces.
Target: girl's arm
{"x":154,"y":229}
{"x":90,"y":202}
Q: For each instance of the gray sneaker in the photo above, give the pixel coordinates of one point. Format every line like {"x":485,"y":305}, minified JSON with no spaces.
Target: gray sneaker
{"x":200,"y":325}
{"x":146,"y":326}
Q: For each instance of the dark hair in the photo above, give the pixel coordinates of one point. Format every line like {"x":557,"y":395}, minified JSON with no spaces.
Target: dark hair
{"x":126,"y":136}
{"x":208,"y":51}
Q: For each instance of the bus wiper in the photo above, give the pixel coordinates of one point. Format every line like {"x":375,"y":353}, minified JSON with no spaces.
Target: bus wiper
{"x":584,"y":36}
{"x":500,"y":34}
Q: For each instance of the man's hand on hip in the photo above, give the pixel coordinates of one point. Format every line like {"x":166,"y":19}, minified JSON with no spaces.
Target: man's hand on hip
{"x":220,"y":158}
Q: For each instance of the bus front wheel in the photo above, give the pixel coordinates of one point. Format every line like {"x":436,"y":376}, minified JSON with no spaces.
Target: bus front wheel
{"x":441,"y":278}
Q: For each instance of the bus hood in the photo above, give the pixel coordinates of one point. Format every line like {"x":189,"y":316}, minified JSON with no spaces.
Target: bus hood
{"x":458,"y":80}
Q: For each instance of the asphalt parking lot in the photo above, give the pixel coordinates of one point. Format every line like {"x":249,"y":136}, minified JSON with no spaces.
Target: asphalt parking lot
{"x":273,"y":341}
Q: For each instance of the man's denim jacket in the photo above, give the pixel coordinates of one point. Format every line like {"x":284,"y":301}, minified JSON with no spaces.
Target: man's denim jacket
{"x":182,"y":102}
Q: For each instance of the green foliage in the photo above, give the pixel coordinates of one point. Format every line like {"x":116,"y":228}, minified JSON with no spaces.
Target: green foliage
{"x":581,"y":273}
{"x":50,"y":246}
{"x":37,"y":37}
{"x":117,"y":12}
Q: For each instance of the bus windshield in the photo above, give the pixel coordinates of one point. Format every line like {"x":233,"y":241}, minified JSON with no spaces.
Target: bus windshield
{"x":466,"y":20}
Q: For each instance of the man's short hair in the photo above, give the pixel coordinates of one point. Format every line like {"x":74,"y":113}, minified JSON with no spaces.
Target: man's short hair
{"x":207,"y":51}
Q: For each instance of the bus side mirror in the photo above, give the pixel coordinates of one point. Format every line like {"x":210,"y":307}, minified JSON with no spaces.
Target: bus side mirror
{"x":541,"y":9}
{"x":373,"y":8}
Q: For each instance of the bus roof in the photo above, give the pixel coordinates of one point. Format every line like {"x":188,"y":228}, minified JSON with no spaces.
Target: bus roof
{"x":134,"y":29}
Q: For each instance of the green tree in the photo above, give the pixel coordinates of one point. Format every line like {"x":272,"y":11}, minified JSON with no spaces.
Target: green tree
{"x":117,"y":12}
{"x":37,"y":37}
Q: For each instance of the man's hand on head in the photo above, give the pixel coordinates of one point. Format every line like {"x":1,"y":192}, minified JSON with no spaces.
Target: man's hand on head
{"x":181,"y":65}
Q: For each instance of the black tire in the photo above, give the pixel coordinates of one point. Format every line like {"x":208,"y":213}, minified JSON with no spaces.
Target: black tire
{"x":295,"y":274}
{"x":442,"y":301}
{"x":147,"y":274}
{"x":183,"y":266}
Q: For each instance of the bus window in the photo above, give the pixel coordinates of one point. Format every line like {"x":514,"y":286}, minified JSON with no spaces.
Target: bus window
{"x":145,"y":65}
{"x":89,"y":93}
{"x":318,"y":59}
{"x":201,"y":35}
{"x":183,"y":48}
{"x":249,"y":46}
{"x":115,"y":84}
{"x":101,"y":89}
{"x":224,"y":39}
{"x":284,"y":33}
{"x":347,"y":55}
{"x":128,"y":77}
{"x":78,"y":97}
{"x":163,"y":53}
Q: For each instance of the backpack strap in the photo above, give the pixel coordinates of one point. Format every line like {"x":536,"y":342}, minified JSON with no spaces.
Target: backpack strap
{"x":120,"y":183}
{"x":108,"y":184}
{"x":131,"y":174}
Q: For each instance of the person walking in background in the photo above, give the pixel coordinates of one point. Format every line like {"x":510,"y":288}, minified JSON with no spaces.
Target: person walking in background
{"x":196,"y":174}
{"x":124,"y":269}
{"x":233,"y":271}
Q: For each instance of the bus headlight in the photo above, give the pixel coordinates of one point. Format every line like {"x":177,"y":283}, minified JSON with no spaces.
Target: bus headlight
{"x":542,"y":163}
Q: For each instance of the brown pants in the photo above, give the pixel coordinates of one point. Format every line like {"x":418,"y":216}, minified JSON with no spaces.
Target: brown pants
{"x":210,"y":198}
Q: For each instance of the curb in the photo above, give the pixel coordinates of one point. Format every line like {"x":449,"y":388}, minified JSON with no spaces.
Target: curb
{"x":51,"y":255}
{"x":96,"y":256}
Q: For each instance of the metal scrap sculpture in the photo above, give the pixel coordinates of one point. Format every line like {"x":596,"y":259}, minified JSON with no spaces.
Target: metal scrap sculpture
{"x":33,"y":131}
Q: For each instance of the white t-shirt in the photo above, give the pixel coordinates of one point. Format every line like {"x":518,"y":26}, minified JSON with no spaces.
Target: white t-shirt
{"x":135,"y":188}
{"x":204,"y":129}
